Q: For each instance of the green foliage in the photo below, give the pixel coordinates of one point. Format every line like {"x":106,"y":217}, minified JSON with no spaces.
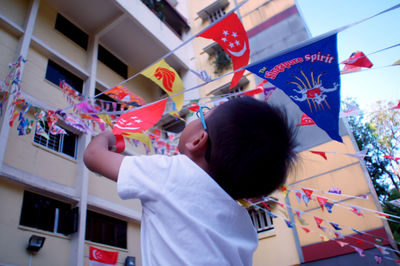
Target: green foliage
{"x":222,"y":61}
{"x":379,"y":133}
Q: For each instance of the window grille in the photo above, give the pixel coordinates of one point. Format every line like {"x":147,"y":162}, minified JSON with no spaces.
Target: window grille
{"x":261,"y":220}
{"x":218,"y":13}
{"x":61,"y":143}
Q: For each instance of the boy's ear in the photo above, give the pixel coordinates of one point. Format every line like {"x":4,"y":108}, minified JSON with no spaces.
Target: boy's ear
{"x":198,"y":143}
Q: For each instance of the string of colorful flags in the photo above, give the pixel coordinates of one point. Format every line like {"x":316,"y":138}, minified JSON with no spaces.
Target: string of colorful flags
{"x":328,"y":234}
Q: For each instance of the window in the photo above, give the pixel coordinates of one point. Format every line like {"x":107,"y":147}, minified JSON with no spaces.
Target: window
{"x":218,"y":13}
{"x":105,"y":230}
{"x":62,"y":143}
{"x":48,"y":214}
{"x":55,"y":73}
{"x":67,"y":28}
{"x":261,"y":220}
{"x":112,"y":62}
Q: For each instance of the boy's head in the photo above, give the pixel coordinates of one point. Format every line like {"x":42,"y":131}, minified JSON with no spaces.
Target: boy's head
{"x":247,"y":148}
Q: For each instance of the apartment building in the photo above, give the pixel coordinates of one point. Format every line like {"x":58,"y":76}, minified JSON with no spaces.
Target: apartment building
{"x":46,"y":190}
{"x":93,"y":45}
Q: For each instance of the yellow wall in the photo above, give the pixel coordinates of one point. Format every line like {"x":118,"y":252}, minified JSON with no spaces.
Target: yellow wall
{"x":277,"y":246}
{"x":345,"y":172}
{"x":14,"y":238}
{"x":44,"y":30}
{"x":14,"y":10}
{"x":105,"y":188}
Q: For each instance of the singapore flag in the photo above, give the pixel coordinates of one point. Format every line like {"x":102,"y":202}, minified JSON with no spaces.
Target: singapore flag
{"x":230,"y":34}
{"x":99,"y":257}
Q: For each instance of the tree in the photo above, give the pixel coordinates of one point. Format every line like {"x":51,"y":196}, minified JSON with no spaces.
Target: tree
{"x":379,"y":133}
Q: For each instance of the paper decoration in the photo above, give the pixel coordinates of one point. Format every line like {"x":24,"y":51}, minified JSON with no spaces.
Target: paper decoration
{"x":310,"y":77}
{"x":167,"y":79}
{"x":230,"y":34}
{"x":69,"y":92}
{"x":203,"y":75}
{"x":341,"y":243}
{"x":306,"y":199}
{"x":40,"y":131}
{"x":356,"y":210}
{"x":123,"y":94}
{"x":55,"y":130}
{"x":318,"y":221}
{"x":382,"y":249}
{"x":268,"y":93}
{"x":305,"y":120}
{"x":358,"y":59}
{"x":307,"y":192}
{"x":305,"y":229}
{"x":329,"y":206}
{"x":298,"y":196}
{"x":321,"y":201}
{"x":359,"y":251}
{"x":271,"y":214}
{"x":358,"y":232}
{"x":324,"y":238}
{"x":335,"y":226}
{"x":335,"y":190}
{"x":397,"y":106}
{"x":98,"y":257}
{"x":289,"y":224}
{"x":140,"y":119}
{"x":349,"y":69}
{"x":106,"y":119}
{"x":391,"y":158}
{"x":321,"y":153}
{"x":378,"y":259}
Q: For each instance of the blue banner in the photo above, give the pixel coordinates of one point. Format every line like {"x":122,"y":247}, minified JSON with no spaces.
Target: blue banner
{"x":310,"y":76}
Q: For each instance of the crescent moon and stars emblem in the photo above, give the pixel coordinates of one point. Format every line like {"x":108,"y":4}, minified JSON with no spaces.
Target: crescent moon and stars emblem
{"x":231,"y":42}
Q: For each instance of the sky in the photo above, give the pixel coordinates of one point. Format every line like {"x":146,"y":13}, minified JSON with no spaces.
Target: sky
{"x":382,"y":81}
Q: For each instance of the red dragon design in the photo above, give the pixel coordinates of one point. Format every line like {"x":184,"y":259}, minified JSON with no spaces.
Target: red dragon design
{"x":167,"y":76}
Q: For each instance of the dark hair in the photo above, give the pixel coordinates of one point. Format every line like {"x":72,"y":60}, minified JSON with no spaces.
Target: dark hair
{"x":251,"y":147}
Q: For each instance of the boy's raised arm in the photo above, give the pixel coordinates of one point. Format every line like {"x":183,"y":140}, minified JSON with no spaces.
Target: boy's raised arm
{"x":98,"y":157}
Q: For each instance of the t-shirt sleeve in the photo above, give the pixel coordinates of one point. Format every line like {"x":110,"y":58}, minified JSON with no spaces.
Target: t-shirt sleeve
{"x":143,"y":177}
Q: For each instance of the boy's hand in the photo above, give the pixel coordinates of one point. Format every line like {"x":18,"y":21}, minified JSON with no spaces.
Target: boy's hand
{"x":99,"y":158}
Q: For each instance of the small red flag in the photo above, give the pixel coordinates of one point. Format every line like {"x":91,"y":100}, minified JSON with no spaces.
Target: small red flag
{"x":102,"y":257}
{"x":321,"y":201}
{"x":396,"y":107}
{"x":358,"y":59}
{"x":321,"y":153}
{"x":318,"y":221}
{"x":230,"y":34}
{"x":308,"y":192}
{"x":306,"y":121}
{"x":140,"y":119}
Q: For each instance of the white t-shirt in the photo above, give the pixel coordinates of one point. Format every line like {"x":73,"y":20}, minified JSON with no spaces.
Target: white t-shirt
{"x":187,"y":218}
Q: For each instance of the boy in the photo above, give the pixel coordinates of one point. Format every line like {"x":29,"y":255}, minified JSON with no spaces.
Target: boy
{"x":240,"y":149}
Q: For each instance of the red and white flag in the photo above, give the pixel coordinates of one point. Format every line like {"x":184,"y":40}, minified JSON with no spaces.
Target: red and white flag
{"x":99,"y":257}
{"x":140,"y":119}
{"x":230,"y":34}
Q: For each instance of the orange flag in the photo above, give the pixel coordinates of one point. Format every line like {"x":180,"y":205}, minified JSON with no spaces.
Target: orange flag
{"x":167,"y":78}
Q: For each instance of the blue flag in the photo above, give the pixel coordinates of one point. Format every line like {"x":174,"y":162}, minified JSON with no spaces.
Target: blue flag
{"x":310,"y":76}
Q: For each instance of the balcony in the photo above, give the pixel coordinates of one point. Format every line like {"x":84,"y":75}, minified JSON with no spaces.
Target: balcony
{"x":165,"y":11}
